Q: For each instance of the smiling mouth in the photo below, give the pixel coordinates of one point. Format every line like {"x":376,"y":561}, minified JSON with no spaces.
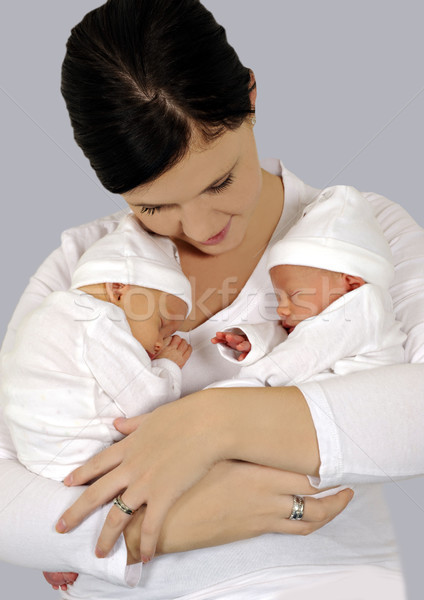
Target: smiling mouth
{"x":219,"y":237}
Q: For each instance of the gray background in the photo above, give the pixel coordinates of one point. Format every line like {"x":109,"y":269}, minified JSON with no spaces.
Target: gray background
{"x":340,"y":100}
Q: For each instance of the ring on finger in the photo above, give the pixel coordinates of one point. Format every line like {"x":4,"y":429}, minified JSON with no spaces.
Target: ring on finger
{"x":122,"y":506}
{"x":298,"y":508}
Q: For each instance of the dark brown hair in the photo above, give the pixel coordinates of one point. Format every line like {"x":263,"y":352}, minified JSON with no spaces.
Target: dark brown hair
{"x":140,"y":77}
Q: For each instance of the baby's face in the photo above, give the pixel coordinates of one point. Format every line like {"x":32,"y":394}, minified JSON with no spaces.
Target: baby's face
{"x":304,"y":292}
{"x":153,"y":316}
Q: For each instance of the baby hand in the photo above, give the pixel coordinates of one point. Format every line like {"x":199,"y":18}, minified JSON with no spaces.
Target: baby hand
{"x":234,"y":341}
{"x":177,"y":350}
{"x":60,"y":579}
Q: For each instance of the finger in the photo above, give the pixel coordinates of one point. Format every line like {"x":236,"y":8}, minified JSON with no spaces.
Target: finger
{"x":114,"y":525}
{"x":188,"y":352}
{"x":325,"y":509}
{"x":166,"y":342}
{"x":244,"y":346}
{"x":242,"y":356}
{"x":237,"y":339}
{"x":97,"y":494}
{"x":127,"y":426}
{"x":98,"y":465}
{"x":150,"y":530}
{"x":220,"y":335}
{"x":318,"y":510}
{"x":182,"y":345}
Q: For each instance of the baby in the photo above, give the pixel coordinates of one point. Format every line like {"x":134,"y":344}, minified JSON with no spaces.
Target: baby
{"x":331,"y":275}
{"x":101,"y":350}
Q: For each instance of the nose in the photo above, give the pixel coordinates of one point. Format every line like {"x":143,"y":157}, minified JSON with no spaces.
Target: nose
{"x":197,"y":221}
{"x":283,"y":310}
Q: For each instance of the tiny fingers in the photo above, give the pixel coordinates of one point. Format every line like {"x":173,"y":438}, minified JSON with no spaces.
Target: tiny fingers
{"x":243,"y":346}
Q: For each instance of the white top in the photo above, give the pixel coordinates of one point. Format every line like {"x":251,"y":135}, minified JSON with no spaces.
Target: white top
{"x":357,"y":418}
{"x":74,"y":368}
{"x":358,"y":331}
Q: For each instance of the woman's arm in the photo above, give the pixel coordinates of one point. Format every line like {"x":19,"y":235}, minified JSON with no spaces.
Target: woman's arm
{"x":177,"y":444}
{"x":29,"y":505}
{"x":235,"y":501}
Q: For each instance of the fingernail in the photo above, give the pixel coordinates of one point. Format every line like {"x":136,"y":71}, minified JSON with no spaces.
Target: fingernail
{"x":61,"y":526}
{"x":100,"y":553}
{"x":119,"y":421}
{"x":145,"y":559}
{"x":69,"y":479}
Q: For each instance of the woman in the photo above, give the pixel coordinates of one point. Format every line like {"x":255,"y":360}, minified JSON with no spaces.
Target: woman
{"x":237,"y":144}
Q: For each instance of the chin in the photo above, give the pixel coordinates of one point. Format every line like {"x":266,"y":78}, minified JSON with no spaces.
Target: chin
{"x":230,"y":243}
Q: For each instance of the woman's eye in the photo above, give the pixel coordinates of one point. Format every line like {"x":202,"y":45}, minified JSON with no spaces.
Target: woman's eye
{"x":149,"y":210}
{"x":222,"y":186}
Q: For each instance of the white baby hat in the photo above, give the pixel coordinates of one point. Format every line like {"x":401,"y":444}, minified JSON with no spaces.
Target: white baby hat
{"x":130,"y":255}
{"x":338,"y":232}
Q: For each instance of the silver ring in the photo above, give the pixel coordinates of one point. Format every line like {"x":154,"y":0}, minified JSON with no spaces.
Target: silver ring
{"x":122,"y":506}
{"x":297,"y":509}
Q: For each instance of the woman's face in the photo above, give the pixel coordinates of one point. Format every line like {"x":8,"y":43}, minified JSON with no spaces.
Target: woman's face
{"x":208,"y":198}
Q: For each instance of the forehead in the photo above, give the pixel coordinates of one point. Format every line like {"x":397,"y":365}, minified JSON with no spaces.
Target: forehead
{"x":202,"y":166}
{"x":284,"y":275}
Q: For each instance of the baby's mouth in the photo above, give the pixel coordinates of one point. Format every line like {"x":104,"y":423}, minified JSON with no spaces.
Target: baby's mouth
{"x":288,"y":328}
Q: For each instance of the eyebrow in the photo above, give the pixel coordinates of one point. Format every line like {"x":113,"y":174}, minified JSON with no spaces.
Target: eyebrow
{"x":211,"y":185}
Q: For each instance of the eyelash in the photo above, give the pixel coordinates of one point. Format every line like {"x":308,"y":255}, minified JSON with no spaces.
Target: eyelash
{"x":150,"y":210}
{"x":222,"y":186}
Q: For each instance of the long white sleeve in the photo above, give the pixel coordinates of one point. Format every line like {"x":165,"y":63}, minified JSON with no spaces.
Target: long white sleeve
{"x":370,"y":424}
{"x":29,"y":504}
{"x":263,"y":337}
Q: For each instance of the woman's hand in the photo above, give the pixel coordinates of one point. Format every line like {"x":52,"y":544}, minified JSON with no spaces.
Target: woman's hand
{"x":176,"y":445}
{"x":172,"y":448}
{"x":234,"y":501}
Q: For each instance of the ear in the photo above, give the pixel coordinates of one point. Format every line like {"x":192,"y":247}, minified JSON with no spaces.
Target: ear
{"x":252,"y":90}
{"x":351,"y":282}
{"x":115,"y":291}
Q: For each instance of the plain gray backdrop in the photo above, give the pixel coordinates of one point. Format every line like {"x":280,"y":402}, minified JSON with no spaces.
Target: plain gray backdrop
{"x":340,"y":100}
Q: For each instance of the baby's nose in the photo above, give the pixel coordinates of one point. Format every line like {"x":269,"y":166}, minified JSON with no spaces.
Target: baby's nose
{"x":283,"y":310}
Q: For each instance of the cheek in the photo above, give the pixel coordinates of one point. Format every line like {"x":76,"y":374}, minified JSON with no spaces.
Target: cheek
{"x":161,"y":224}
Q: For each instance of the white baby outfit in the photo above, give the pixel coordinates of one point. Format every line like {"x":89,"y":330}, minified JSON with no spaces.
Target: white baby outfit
{"x":75,"y":365}
{"x":337,"y":232}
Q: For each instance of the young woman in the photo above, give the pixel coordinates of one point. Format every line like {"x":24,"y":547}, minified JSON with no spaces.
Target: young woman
{"x":163,"y":109}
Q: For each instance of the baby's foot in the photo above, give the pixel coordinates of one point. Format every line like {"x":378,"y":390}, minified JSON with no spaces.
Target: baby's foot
{"x":60,"y":580}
